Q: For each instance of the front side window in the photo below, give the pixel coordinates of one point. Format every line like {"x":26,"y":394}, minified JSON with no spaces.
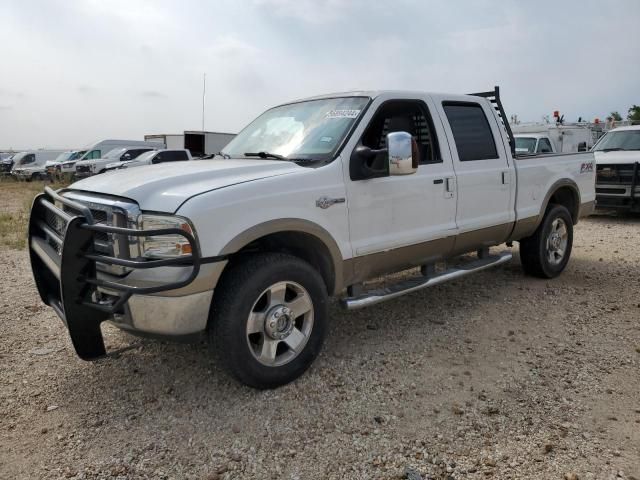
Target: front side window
{"x":471,"y":131}
{"x":544,"y":146}
{"x":621,"y":140}
{"x":27,"y":159}
{"x":403,"y":116}
{"x":309,"y":130}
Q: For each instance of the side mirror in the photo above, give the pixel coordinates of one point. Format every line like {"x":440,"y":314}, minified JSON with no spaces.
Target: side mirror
{"x":403,"y":158}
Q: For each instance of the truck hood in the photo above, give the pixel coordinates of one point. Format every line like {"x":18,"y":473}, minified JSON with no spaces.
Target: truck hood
{"x":619,"y":157}
{"x":166,"y":186}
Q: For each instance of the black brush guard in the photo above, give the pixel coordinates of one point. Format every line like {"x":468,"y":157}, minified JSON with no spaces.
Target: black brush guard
{"x":66,"y":276}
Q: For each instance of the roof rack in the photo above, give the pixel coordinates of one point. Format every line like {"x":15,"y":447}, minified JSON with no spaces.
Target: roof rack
{"x":494,"y":98}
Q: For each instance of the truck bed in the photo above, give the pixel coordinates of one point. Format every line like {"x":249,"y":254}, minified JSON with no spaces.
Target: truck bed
{"x":537,"y":174}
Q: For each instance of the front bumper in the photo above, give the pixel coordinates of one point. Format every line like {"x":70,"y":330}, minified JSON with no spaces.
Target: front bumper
{"x":623,"y":194}
{"x":82,"y":174}
{"x":23,"y":174}
{"x":63,"y":260}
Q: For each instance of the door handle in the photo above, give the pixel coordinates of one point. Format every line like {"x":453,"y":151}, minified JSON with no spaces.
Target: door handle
{"x":438,"y":181}
{"x":506,"y":177}
{"x":450,"y":184}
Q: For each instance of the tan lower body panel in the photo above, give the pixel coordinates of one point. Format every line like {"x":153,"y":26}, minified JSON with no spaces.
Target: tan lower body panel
{"x":485,"y":237}
{"x":365,"y":267}
{"x":362,"y":268}
{"x":586,"y":209}
{"x":524,"y":228}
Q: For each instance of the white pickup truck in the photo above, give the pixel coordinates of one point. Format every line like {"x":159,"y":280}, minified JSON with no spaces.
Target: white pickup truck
{"x":310,"y":200}
{"x":618,"y":169}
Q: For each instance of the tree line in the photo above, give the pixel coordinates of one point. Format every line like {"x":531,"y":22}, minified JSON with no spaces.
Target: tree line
{"x":633,"y":114}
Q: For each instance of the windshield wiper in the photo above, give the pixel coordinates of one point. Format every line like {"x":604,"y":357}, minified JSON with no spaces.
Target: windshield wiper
{"x":265,"y":155}
{"x":616,"y":149}
{"x":226,"y":156}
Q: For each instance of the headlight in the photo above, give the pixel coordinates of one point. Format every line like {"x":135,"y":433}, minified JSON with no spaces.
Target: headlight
{"x":165,"y":246}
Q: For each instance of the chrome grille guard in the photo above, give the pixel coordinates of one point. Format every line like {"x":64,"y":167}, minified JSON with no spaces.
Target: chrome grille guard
{"x":66,"y":276}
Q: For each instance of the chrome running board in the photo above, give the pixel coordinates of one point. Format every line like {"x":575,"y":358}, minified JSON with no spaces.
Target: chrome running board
{"x":380,"y":295}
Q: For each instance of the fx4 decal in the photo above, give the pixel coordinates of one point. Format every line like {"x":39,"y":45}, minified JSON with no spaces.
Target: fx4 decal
{"x":586,"y":167}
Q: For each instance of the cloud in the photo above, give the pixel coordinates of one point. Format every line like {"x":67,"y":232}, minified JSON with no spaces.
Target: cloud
{"x":11,"y":93}
{"x":152,"y":94}
{"x":311,"y":11}
{"x":147,"y":58}
{"x":86,"y":89}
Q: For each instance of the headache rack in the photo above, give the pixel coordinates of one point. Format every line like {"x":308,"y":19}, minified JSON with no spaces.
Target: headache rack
{"x":494,"y":98}
{"x":63,"y":259}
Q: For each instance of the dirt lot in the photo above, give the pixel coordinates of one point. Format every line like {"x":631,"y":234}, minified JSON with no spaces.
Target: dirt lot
{"x":498,"y":375}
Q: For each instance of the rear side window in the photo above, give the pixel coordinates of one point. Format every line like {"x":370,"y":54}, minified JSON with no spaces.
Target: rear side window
{"x":471,"y":131}
{"x":544,"y":146}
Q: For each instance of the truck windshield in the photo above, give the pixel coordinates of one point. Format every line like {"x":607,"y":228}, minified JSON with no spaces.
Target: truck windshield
{"x":525,"y":144}
{"x":621,"y":140}
{"x":310,"y":130}
{"x":63,"y":157}
{"x":114,"y":154}
{"x":77,"y":155}
{"x":143,"y":157}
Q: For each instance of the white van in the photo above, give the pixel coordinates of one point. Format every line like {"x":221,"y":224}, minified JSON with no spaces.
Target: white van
{"x":31,"y":165}
{"x":99,"y":149}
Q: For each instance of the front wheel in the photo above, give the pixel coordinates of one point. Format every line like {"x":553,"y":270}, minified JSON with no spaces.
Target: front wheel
{"x":268,"y":320}
{"x":546,"y":253}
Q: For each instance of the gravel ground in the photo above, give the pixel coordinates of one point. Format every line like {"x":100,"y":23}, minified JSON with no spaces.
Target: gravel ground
{"x":495,"y":375}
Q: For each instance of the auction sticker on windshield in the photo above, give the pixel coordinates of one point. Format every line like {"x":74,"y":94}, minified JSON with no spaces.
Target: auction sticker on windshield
{"x":342,"y":114}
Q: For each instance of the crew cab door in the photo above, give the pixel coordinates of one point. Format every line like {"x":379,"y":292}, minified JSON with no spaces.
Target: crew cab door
{"x":394,"y":220}
{"x":485,"y":176}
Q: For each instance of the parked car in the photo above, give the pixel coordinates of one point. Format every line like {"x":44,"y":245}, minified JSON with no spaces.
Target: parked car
{"x":153,"y":157}
{"x":312,"y":199}
{"x":86,"y":168}
{"x":618,"y":169}
{"x":6,"y":164}
{"x":97,"y":150}
{"x":64,"y":164}
{"x":31,"y":165}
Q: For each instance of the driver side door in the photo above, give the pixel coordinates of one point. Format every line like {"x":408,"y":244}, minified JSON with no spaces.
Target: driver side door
{"x":400,"y":221}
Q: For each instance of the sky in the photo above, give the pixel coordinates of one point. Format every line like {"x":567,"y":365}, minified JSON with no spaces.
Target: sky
{"x":76,"y":71}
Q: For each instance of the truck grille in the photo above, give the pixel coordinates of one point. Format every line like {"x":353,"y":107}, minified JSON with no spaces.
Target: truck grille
{"x":108,"y":212}
{"x":83,"y":169}
{"x":617,"y":174}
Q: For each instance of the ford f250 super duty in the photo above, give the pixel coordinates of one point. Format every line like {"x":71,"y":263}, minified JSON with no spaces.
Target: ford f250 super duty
{"x":311,"y":199}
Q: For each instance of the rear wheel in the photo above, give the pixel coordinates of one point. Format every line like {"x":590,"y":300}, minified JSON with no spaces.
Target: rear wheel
{"x":546,"y":253}
{"x":268,"y":319}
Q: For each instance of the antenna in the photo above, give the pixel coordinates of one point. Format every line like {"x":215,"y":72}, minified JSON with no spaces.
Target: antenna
{"x":204,"y":91}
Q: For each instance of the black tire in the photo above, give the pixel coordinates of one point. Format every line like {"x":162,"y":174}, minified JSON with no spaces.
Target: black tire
{"x":241,"y":288}
{"x":535,"y":251}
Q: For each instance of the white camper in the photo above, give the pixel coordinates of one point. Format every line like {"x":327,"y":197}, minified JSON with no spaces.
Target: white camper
{"x":565,"y":138}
